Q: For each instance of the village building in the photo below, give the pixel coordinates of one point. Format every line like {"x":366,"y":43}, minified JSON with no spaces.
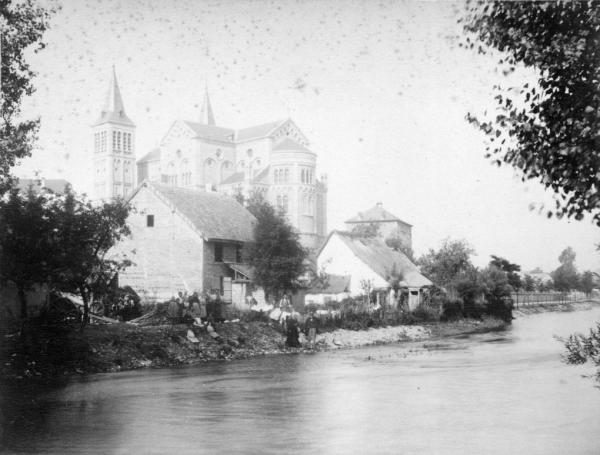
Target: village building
{"x":373,"y":267}
{"x":335,"y":289}
{"x":185,"y":239}
{"x":383,"y":223}
{"x":273,"y":159}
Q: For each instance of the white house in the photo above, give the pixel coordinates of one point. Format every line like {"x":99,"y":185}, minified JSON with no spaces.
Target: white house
{"x":372,"y":264}
{"x":336,"y":289}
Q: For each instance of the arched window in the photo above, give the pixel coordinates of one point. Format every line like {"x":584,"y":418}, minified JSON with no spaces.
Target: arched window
{"x":226,"y":169}
{"x":118,"y":140}
{"x":287,"y":175}
{"x":219,"y":154}
{"x":210,"y":171}
{"x":285,"y":203}
{"x":249,"y":152}
{"x":279,"y":201}
{"x":241,"y":165}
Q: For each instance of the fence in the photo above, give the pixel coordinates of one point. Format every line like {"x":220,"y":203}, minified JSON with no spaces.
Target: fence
{"x":541,"y":298}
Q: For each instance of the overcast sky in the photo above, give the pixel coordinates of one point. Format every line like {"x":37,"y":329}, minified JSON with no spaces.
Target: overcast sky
{"x":381,"y":89}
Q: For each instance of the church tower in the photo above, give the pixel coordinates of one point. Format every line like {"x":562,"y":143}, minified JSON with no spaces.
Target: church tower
{"x":114,"y":146}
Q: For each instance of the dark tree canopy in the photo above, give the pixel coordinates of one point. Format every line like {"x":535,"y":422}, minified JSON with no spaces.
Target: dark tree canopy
{"x":445,"y":266}
{"x":549,"y":131}
{"x":565,"y":276}
{"x":22,"y":24}
{"x":276,"y":253}
{"x":365,"y":229}
{"x":511,"y":269}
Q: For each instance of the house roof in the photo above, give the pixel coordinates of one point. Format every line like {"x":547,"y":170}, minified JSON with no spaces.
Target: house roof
{"x":152,"y":155}
{"x":375,"y":214}
{"x":258,"y":131}
{"x":54,"y":185}
{"x":336,"y":284}
{"x":238,"y":177}
{"x":244,"y":269}
{"x":290,"y":144}
{"x":215,"y":215}
{"x":213,"y":132}
{"x":382,"y":259}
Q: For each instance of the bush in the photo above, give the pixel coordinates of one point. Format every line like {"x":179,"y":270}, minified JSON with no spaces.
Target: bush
{"x":451,"y":309}
{"x":425,"y":313}
{"x":501,"y":307}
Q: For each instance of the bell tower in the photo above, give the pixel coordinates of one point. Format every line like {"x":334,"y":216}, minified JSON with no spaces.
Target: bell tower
{"x":114,"y":147}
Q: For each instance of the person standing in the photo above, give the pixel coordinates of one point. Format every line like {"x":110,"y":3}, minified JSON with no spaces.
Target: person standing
{"x":310,"y":325}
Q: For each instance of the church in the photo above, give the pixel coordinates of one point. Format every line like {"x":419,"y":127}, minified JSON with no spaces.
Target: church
{"x":272,"y":158}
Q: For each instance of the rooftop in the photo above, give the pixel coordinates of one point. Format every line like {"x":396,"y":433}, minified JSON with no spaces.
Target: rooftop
{"x":375,"y":213}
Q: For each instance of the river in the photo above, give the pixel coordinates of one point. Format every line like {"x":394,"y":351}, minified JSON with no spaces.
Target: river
{"x":497,"y":393}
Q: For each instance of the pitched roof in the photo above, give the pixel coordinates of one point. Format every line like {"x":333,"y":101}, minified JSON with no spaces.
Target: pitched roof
{"x":258,"y":131}
{"x":54,"y":185}
{"x":215,"y":215}
{"x":152,"y":155}
{"x":244,"y":269}
{"x":382,"y":259}
{"x":375,"y":213}
{"x":206,"y":114}
{"x":236,"y":177}
{"x":216,"y":133}
{"x":290,"y":144}
{"x":336,"y":284}
{"x":262,"y":176}
{"x":114,"y":109}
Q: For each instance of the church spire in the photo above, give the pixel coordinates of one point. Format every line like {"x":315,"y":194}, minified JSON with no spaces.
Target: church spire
{"x":114,"y":109}
{"x":206,"y":114}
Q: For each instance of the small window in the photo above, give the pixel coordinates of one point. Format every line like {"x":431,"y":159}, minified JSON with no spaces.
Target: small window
{"x":150,"y":220}
{"x":238,"y":254}
{"x":218,"y":252}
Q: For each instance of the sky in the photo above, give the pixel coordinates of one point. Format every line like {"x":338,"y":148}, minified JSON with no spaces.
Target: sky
{"x":381,"y":89}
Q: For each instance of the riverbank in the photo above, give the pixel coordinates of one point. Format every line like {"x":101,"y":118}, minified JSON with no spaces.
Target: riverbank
{"x":552,"y":307}
{"x":51,"y":353}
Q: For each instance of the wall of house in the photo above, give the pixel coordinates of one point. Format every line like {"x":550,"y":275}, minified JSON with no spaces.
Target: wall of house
{"x":168,"y":257}
{"x":337,"y":259}
{"x":214,"y":271}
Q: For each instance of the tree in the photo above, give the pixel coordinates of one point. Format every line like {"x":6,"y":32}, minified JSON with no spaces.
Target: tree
{"x":446,"y":265}
{"x":22,"y":24}
{"x":84,"y":261}
{"x":25,"y":240}
{"x":275,"y":253}
{"x":587,"y":282}
{"x":511,"y":270}
{"x":549,"y":130}
{"x":529,"y":284}
{"x":565,"y":276}
{"x":581,"y":348}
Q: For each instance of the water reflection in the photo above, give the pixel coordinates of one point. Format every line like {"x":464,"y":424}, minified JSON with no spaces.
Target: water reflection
{"x":502,"y":392}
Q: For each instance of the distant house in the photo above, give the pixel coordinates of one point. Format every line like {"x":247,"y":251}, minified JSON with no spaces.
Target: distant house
{"x":388,"y":225}
{"x":336,"y":289}
{"x":370,"y":260}
{"x":185,"y":239}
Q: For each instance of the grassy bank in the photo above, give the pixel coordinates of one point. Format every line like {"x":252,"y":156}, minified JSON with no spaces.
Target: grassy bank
{"x":50,"y":352}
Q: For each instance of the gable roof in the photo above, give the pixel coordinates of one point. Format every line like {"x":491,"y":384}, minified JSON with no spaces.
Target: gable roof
{"x":152,"y":155}
{"x":380,"y":258}
{"x":336,"y":284}
{"x":258,"y":131}
{"x":290,"y":144}
{"x":55,"y":185}
{"x":375,"y":214}
{"x":216,"y":216}
{"x":213,"y":132}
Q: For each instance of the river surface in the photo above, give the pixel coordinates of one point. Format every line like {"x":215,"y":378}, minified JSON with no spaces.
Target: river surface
{"x":497,"y":393}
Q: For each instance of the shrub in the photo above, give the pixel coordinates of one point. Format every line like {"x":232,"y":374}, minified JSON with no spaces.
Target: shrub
{"x":451,"y":309}
{"x":425,"y":313}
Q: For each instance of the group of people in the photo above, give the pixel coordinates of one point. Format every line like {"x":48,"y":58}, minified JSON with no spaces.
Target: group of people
{"x":208,"y":307}
{"x":292,"y":330}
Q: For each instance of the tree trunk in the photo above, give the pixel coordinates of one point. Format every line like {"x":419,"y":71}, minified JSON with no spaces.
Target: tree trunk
{"x":23,"y":300}
{"x":86,"y":309}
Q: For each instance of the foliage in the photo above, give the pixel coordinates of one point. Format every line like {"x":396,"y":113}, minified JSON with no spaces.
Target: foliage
{"x":549,"y":130}
{"x":445,"y":266}
{"x":60,"y":240}
{"x":22,"y":24}
{"x":497,"y":291}
{"x":451,"y":309}
{"x":276,"y":253}
{"x":587,"y":282}
{"x":26,"y":233}
{"x":365,"y":229}
{"x":565,"y":276}
{"x":529,"y":284}
{"x":581,"y":348}
{"x":511,"y":270}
